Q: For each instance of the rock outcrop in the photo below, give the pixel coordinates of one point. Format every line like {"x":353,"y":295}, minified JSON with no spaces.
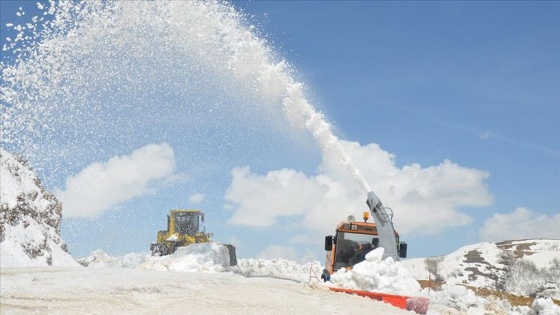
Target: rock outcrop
{"x":30,"y":218}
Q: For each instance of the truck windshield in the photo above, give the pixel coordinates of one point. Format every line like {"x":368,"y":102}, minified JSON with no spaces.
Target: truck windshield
{"x":186,"y":222}
{"x":351,"y":248}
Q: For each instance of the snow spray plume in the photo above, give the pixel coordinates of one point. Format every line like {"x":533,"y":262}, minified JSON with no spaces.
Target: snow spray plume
{"x":89,"y":74}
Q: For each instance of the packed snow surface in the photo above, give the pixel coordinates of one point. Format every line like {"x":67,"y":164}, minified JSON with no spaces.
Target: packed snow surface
{"x":133,"y":291}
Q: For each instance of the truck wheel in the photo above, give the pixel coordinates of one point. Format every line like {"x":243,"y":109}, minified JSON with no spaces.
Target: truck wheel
{"x":326,"y":276}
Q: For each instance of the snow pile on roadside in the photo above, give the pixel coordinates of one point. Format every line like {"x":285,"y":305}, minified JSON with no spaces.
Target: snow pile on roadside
{"x":211,"y":257}
{"x":207,"y":257}
{"x":456,"y":299}
{"x":377,"y":275}
{"x":100,"y":259}
{"x":278,"y":268}
{"x":30,"y":218}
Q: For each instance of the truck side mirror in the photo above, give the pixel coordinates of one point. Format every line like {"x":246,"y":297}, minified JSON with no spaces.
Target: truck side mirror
{"x":375,"y":242}
{"x":402,"y":249}
{"x":328,"y":243}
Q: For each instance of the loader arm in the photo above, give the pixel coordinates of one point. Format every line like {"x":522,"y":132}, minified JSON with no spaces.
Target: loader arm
{"x":385,"y":229}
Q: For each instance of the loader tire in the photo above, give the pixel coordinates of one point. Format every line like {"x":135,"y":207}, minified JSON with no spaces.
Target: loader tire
{"x":232,"y":254}
{"x":160,"y":249}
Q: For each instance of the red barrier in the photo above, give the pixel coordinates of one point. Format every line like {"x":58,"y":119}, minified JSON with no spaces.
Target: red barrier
{"x":417,"y":304}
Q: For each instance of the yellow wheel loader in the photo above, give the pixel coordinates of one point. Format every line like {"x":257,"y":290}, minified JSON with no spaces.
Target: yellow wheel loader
{"x":184,"y":227}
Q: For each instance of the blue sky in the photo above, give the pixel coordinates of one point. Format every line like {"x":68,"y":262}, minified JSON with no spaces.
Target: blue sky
{"x":474,"y":84}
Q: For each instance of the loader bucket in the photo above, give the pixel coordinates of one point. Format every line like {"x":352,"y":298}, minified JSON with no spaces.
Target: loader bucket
{"x":417,"y":304}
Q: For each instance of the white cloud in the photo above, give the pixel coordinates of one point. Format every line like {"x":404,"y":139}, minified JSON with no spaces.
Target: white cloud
{"x":520,"y":224}
{"x":197,"y":198}
{"x":260,"y":200}
{"x":419,"y":196}
{"x":103,"y":185}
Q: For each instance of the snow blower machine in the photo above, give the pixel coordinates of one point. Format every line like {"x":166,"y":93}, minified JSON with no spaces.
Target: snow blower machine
{"x":353,"y":240}
{"x":184,"y":227}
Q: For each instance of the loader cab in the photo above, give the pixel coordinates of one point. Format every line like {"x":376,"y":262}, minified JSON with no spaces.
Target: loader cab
{"x":187,"y":222}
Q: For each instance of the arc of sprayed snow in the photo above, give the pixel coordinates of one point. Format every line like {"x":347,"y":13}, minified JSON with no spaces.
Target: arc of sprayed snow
{"x":321,"y":130}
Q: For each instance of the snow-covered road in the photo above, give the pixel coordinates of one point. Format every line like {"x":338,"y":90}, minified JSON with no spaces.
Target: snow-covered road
{"x":63,"y":290}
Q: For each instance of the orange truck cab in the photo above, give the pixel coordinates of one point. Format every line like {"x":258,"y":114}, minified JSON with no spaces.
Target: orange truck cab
{"x":351,"y":242}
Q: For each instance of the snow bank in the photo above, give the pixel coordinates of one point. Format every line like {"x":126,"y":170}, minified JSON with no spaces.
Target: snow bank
{"x":377,"y":275}
{"x":100,"y":259}
{"x":209,"y":257}
{"x":278,"y":268}
{"x":456,"y":299}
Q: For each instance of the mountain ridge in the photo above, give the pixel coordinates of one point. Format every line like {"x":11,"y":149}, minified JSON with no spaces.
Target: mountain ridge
{"x":526,"y":267}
